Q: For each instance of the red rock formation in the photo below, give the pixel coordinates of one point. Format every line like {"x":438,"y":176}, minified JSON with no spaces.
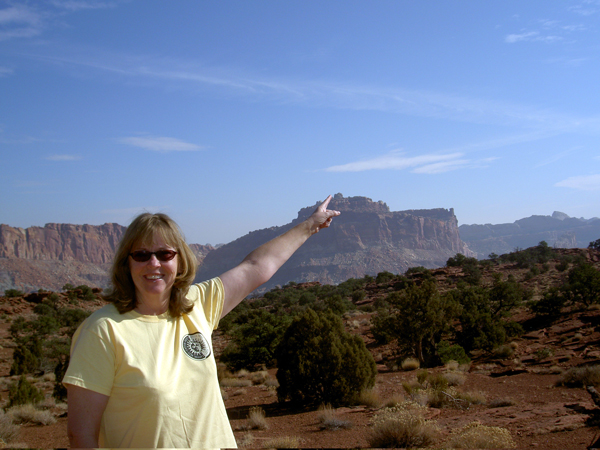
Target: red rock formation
{"x":366,"y":238}
{"x":63,"y":242}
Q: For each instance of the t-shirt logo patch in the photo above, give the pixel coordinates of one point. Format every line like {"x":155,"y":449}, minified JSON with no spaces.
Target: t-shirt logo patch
{"x":196,"y":346}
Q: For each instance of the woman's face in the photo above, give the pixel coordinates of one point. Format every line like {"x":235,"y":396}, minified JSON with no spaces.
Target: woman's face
{"x":153,"y":279}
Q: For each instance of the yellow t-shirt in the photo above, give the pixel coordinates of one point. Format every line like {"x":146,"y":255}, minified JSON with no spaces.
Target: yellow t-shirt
{"x":159,"y":373}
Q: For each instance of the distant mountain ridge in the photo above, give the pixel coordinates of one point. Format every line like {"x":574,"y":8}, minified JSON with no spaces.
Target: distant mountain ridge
{"x":558,"y":230}
{"x":367,"y":238}
{"x":48,"y":257}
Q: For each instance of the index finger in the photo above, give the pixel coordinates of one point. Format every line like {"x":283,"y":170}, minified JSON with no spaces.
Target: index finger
{"x":323,"y":206}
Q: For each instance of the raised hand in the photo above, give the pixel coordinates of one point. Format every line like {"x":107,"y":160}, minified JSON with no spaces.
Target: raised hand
{"x":322,"y":216}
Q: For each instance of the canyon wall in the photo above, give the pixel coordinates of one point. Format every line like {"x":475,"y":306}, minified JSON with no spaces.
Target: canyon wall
{"x":367,"y":238}
{"x":49,"y":257}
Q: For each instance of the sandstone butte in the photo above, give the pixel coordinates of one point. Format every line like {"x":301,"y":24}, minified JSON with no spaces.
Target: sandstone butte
{"x":366,"y":239}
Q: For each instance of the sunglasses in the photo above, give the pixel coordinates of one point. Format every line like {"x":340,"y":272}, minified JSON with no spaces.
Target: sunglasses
{"x":161,"y":255}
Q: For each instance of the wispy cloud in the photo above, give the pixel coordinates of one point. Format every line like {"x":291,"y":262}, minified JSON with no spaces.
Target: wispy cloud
{"x":396,"y":160}
{"x":586,"y":7}
{"x":531,"y":36}
{"x":4,"y":71}
{"x":160,"y":144}
{"x":25,"y":21}
{"x":63,"y":158}
{"x":77,"y":5}
{"x":582,"y":183}
{"x":316,"y":93}
{"x":19,"y":21}
{"x":429,"y":164}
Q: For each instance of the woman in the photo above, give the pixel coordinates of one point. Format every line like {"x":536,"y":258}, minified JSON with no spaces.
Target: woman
{"x":142,"y":371}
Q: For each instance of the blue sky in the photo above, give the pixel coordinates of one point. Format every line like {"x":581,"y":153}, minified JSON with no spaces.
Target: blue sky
{"x":232,"y":115}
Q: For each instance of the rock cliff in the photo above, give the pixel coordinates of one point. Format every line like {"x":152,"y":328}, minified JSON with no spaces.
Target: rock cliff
{"x":62,"y":242}
{"x":49,"y":257}
{"x":366,"y":238}
{"x":558,"y":230}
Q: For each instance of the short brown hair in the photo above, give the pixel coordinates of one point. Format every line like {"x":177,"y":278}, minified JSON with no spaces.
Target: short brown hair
{"x":142,"y":230}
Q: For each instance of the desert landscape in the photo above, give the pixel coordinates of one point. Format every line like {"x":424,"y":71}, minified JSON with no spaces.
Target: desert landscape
{"x":520,"y":395}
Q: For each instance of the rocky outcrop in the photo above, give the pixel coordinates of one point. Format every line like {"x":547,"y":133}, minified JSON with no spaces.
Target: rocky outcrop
{"x":366,"y":238}
{"x":49,"y":257}
{"x":558,"y":230}
{"x":62,"y":242}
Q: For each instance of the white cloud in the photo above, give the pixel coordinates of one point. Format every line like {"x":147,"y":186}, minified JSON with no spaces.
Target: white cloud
{"x":4,"y":71}
{"x":512,"y":38}
{"x":397,"y":161}
{"x":531,"y":36}
{"x":63,"y":158}
{"x":77,"y":5}
{"x":441,"y":167}
{"x":160,"y":144}
{"x":19,"y":21}
{"x":582,"y":182}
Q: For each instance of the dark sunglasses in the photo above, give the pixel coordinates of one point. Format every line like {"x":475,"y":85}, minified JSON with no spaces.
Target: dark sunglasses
{"x":161,"y":255}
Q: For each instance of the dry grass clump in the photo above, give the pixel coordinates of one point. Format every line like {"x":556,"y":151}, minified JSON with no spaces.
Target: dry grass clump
{"x":329,"y":419}
{"x":473,"y":398}
{"x":475,"y":435}
{"x":257,"y":419}
{"x":49,"y":377}
{"x":370,"y":398}
{"x":235,"y":382}
{"x":455,"y":378}
{"x":282,"y":442}
{"x":504,"y":351}
{"x":47,"y":403}
{"x":402,"y":426}
{"x":271,"y":384}
{"x":410,"y":364}
{"x":8,"y":430}
{"x":501,"y":402}
{"x":259,"y":377}
{"x":439,"y":391}
{"x":29,"y":414}
{"x":451,"y":365}
{"x":223,"y":372}
{"x":580,"y":377}
{"x":246,"y":441}
{"x":394,"y":400}
{"x":242,"y":373}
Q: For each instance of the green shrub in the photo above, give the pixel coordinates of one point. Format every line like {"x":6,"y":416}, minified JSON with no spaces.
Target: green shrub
{"x":595,"y":245}
{"x":255,"y":341}
{"x":551,"y":304}
{"x":86,"y":292}
{"x":384,"y":277}
{"x":358,"y":295}
{"x":583,"y":284}
{"x":383,"y":327}
{"x":10,"y":293}
{"x":43,"y":309}
{"x":23,"y":392}
{"x":455,"y":352}
{"x":423,"y":317}
{"x":581,"y":377}
{"x":319,"y":362}
{"x":27,"y":356}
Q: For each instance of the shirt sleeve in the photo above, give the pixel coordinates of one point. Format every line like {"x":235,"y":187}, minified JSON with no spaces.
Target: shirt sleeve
{"x":92,"y":362}
{"x":211,"y":295}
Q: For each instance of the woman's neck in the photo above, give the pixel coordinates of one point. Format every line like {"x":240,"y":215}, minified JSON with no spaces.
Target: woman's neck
{"x":152,"y":306}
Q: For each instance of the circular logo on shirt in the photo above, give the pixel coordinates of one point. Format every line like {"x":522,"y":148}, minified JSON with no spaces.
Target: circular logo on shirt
{"x":196,"y":346}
